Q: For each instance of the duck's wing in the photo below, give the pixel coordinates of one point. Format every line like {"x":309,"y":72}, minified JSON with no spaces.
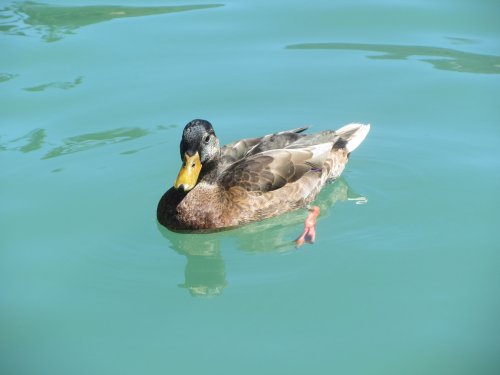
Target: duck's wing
{"x":251,"y":146}
{"x":271,"y":170}
{"x":317,"y":138}
{"x":277,"y":141}
{"x":349,"y":137}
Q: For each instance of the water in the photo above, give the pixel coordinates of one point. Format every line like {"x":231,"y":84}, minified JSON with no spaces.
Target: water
{"x":93,"y":100}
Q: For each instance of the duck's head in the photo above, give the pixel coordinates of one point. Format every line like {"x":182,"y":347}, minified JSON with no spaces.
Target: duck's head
{"x":199,"y":147}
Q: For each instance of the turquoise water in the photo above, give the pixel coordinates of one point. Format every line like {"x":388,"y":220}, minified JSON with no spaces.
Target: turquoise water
{"x":404,"y":276}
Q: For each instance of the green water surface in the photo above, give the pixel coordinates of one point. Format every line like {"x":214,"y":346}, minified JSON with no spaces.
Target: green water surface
{"x":404,"y":277}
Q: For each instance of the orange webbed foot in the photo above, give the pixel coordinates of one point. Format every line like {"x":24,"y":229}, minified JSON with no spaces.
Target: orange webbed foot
{"x":309,"y":234}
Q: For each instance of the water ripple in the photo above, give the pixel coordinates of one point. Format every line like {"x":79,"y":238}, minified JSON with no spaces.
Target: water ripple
{"x":56,"y":85}
{"x":4,"y":77}
{"x":440,"y":58}
{"x":53,"y":23}
{"x":36,"y":140}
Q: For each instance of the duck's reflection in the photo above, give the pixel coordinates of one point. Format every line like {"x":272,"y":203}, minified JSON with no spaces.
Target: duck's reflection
{"x":205,"y":273}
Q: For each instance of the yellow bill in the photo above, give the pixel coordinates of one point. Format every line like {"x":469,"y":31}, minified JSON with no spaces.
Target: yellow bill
{"x":188,"y":175}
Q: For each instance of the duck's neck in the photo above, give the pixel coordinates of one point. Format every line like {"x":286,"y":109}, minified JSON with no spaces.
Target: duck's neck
{"x":209,"y":169}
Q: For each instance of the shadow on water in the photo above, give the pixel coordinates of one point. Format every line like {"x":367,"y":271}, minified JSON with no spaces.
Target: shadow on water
{"x":440,"y":58}
{"x":36,"y":140}
{"x":52,"y":22}
{"x":205,"y":272}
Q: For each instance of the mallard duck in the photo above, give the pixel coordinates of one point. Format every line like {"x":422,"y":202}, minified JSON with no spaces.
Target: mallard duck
{"x":251,"y":179}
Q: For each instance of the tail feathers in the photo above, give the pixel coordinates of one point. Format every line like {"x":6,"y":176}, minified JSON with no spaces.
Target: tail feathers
{"x":353,"y":134}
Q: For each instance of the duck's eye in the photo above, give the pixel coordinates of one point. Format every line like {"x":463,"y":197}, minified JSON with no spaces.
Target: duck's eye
{"x":207,"y":138}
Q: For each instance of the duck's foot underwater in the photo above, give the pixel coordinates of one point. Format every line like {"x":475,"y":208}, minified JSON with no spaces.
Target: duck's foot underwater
{"x":309,"y":234}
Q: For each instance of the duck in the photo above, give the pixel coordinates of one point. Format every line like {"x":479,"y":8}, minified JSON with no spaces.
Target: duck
{"x":252,"y":179}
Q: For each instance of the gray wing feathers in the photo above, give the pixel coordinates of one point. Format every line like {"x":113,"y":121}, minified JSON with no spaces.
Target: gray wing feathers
{"x":272,"y":169}
{"x":252,"y":146}
{"x":235,"y":151}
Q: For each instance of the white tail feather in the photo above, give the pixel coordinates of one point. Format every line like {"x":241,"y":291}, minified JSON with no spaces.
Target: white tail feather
{"x":354,"y":134}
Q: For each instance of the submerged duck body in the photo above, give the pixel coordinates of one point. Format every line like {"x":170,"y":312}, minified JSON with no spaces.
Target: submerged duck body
{"x":252,"y":179}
